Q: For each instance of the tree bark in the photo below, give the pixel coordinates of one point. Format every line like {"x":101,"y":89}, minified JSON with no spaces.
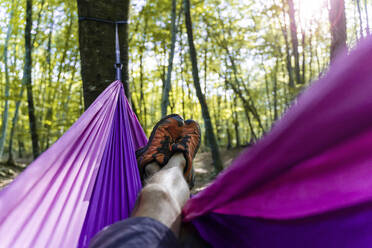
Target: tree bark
{"x":288,"y":54}
{"x":337,"y":20}
{"x":236,"y":125}
{"x":195,"y":73}
{"x":294,"y":39}
{"x":303,"y":57}
{"x":167,"y":85}
{"x":4,"y":124}
{"x":28,"y":80}
{"x":360,"y":19}
{"x":97,"y":45}
{"x":20,"y":96}
{"x":275,"y":89}
{"x":366,"y":12}
{"x":268,"y":101}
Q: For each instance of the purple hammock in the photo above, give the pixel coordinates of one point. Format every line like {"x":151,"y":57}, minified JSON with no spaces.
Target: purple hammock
{"x":308,"y":183}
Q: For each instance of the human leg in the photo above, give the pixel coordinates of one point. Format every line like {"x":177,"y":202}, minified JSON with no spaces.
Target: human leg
{"x":164,"y":195}
{"x":156,"y":218}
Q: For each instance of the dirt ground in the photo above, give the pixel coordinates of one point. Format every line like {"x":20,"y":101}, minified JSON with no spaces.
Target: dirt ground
{"x":204,"y":172}
{"x":8,"y":173}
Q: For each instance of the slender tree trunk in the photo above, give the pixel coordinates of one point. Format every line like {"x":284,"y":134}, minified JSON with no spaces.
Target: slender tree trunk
{"x":4,"y":124}
{"x":20,"y":148}
{"x":28,"y":80}
{"x":14,"y":124}
{"x":246,"y":106}
{"x":275,"y":89}
{"x":206,"y":91}
{"x":337,"y":19}
{"x":205,"y":112}
{"x":236,"y":124}
{"x":66,"y":104}
{"x":366,"y":12}
{"x":360,"y":19}
{"x":167,"y":85}
{"x":288,"y":54}
{"x":50,"y":111}
{"x":20,"y":96}
{"x":229,"y":143}
{"x":142,"y":102}
{"x":217,"y":118}
{"x":249,"y":104}
{"x":268,"y":101}
{"x":182,"y":77}
{"x":44,"y":139}
{"x":42,"y":4}
{"x":355,"y":28}
{"x":303,"y":57}
{"x":97,"y":46}
{"x":293,"y":26}
{"x":228,"y":132}
{"x":205,"y":66}
{"x":311,"y":55}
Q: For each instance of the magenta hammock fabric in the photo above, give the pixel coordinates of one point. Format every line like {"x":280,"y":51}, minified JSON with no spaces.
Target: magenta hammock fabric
{"x":88,"y":179}
{"x":308,"y":183}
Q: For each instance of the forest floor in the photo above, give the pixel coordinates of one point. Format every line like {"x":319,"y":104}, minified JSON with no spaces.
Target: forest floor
{"x":204,"y":171}
{"x":9,"y":172}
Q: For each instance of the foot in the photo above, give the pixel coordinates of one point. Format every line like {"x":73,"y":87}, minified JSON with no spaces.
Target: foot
{"x":188,"y":144}
{"x":158,"y":149}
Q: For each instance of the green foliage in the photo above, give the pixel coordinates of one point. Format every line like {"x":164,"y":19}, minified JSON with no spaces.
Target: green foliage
{"x":241,"y":57}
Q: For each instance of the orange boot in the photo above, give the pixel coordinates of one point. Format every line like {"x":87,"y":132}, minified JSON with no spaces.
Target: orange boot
{"x":163,"y":136}
{"x":188,"y":144}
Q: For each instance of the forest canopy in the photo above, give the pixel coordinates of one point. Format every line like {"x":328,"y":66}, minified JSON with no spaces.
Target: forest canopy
{"x":253,"y":58}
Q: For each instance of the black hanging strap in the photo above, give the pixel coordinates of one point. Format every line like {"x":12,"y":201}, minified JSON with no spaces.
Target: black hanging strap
{"x":118,"y":65}
{"x":102,"y":20}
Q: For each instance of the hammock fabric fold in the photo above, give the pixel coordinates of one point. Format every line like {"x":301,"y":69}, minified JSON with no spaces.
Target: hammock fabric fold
{"x":308,"y":183}
{"x":88,"y":179}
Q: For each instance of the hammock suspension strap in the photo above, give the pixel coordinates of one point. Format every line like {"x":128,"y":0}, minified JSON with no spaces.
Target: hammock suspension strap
{"x":118,"y":65}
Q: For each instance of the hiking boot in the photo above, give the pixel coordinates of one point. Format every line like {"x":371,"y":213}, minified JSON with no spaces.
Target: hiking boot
{"x":189,"y":144}
{"x":158,"y":148}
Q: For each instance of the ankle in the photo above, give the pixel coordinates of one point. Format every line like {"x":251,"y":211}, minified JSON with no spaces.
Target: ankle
{"x":177,"y":160}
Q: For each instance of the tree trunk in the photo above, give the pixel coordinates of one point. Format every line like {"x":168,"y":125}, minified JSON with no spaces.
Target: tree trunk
{"x":247,"y":108}
{"x":311,"y":55}
{"x":275,"y":89}
{"x":248,"y":104}
{"x":303,"y":57}
{"x":195,"y":73}
{"x":20,"y":96}
{"x":236,"y":125}
{"x":268,"y":102}
{"x":288,"y":54}
{"x":28,"y":79}
{"x":360,"y":19}
{"x":167,"y":85}
{"x":20,"y":148}
{"x":97,"y":45}
{"x":293,"y":27}
{"x":367,"y":21}
{"x":337,"y":20}
{"x":4,"y":124}
{"x":229,"y":143}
